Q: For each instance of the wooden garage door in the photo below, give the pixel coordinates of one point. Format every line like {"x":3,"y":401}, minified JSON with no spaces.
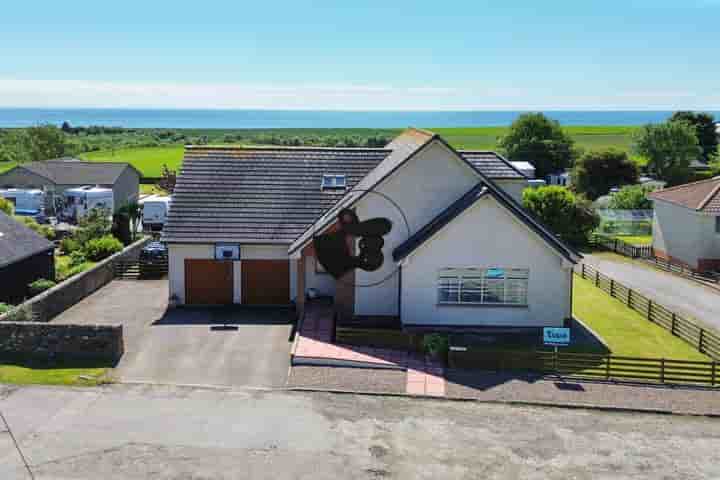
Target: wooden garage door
{"x":265,"y":282}
{"x":208,"y":282}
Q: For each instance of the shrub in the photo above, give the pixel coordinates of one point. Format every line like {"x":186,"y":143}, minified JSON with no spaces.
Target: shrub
{"x":22,"y":313}
{"x":77,"y":258}
{"x":5,"y":307}
{"x":632,"y":197}
{"x":69,"y":245}
{"x":436,"y":345}
{"x":40,"y":285}
{"x":6,"y":206}
{"x":44,"y":230}
{"x":100,"y":248}
{"x":566,"y":214}
{"x":65,"y":272}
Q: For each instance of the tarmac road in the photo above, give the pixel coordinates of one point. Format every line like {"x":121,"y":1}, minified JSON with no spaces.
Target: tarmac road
{"x":153,"y":432}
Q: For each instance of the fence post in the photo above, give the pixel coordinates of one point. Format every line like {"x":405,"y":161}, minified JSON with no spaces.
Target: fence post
{"x":612,"y":288}
{"x":672,"y":324}
{"x":662,"y":370}
{"x":630,"y":297}
{"x":582,"y":270}
{"x":649,"y":312}
{"x":714,"y":368}
{"x":597,"y":278}
{"x":700,"y":340}
{"x":607,"y":368}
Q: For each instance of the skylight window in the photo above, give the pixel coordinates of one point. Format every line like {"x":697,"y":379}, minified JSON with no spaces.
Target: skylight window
{"x":333,"y":182}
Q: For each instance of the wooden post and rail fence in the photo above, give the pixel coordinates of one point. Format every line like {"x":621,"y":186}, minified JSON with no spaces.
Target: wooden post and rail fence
{"x":602,"y":366}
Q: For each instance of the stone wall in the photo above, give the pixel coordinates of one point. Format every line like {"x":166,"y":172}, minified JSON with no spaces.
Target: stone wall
{"x":50,"y":340}
{"x":52,"y":302}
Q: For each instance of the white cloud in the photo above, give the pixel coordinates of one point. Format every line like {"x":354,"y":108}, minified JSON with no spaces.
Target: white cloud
{"x":98,"y":94}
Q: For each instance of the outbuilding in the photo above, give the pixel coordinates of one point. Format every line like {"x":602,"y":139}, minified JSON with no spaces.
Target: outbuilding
{"x":25,"y":257}
{"x":56,"y":176}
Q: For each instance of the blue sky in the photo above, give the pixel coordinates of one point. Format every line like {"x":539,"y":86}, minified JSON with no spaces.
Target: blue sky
{"x":419,"y":55}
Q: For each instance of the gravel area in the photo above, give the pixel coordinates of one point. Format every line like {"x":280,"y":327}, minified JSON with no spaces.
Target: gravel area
{"x":353,"y":379}
{"x":507,"y":387}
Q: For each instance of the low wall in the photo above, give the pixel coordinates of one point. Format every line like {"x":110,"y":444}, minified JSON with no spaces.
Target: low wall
{"x":50,"y":340}
{"x":56,"y":300}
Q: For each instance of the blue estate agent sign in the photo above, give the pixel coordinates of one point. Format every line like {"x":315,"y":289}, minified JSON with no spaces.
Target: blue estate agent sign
{"x":558,"y":337}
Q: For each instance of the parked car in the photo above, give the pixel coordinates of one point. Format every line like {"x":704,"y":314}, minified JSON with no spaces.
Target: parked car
{"x":154,"y":253}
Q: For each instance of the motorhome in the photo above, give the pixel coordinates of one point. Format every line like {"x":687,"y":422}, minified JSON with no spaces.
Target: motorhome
{"x":77,"y":202}
{"x":155,"y":211}
{"x":28,"y":202}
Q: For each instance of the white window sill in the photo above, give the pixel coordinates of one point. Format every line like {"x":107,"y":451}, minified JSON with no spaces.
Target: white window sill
{"x":482,"y":305}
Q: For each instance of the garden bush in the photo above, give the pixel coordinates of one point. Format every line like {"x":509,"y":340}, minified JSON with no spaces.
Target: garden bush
{"x":39,"y":286}
{"x":23,"y":313}
{"x":100,"y":248}
{"x":436,"y":345}
{"x":5,"y":307}
{"x":69,"y":245}
{"x":77,"y":257}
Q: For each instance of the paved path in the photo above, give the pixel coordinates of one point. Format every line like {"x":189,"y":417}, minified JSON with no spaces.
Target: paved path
{"x":676,"y":293}
{"x":123,"y":432}
{"x":314,"y":346}
{"x":185,"y":346}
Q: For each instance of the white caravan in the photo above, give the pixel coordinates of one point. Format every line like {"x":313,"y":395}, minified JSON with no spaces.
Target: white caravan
{"x":27,"y":202}
{"x":79,"y":201}
{"x":155,"y":211}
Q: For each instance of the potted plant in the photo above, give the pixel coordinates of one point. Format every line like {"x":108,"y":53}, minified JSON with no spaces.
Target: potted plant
{"x":436,"y":346}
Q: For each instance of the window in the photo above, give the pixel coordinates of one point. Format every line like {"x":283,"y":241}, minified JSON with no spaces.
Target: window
{"x":333,"y":182}
{"x":483,"y":286}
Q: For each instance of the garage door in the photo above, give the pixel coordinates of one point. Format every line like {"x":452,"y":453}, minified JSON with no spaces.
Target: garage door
{"x":265,"y":282}
{"x":208,"y":282}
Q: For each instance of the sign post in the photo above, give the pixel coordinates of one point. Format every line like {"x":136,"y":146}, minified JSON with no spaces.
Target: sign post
{"x":556,"y":337}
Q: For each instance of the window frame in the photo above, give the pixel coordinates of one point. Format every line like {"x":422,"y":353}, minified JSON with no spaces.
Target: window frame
{"x":333,"y":181}
{"x":452,"y":282}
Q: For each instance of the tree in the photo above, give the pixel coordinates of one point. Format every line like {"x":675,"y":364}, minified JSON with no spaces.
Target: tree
{"x":632,"y":197}
{"x":565,"y":213}
{"x":669,"y":149}
{"x":6,"y":206}
{"x":43,"y":142}
{"x":536,"y":139}
{"x":595,"y":173}
{"x":95,"y":224}
{"x":704,"y":125}
{"x":167,"y":179}
{"x":132,"y":211}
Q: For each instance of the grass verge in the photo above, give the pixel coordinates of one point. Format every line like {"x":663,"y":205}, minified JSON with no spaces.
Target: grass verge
{"x":626,"y":332}
{"x":29,"y":372}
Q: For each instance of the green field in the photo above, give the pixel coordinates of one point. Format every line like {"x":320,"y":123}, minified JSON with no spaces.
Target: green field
{"x":626,"y":332}
{"x":150,"y":160}
{"x":24,"y":372}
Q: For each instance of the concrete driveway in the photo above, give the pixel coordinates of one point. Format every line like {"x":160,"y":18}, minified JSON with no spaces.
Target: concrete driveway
{"x":673,"y":291}
{"x":185,"y":346}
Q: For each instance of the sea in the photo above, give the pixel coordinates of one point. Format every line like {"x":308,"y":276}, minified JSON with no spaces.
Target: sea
{"x":231,"y":119}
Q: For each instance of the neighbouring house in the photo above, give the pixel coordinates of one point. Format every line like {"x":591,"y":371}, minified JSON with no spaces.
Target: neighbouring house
{"x":462,"y":251}
{"x":25,"y":257}
{"x":686,"y":225}
{"x":562,"y":179}
{"x":526,"y":168}
{"x":56,"y":176}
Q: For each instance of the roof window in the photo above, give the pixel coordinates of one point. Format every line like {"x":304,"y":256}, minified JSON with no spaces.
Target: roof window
{"x":333,"y":182}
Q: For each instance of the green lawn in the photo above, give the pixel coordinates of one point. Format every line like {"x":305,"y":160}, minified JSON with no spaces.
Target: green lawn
{"x":25,"y":372}
{"x":5,"y":166}
{"x":626,"y":332}
{"x":636,"y":239}
{"x":148,"y":160}
{"x":151,"y":189}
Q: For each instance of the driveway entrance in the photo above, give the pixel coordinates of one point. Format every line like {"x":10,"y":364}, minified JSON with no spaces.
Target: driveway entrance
{"x":189,"y":345}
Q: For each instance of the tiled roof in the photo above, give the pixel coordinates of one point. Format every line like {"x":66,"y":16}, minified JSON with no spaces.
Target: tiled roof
{"x":703,"y":196}
{"x":69,"y":171}
{"x":271,"y":195}
{"x":18,"y":242}
{"x":402,"y":148}
{"x":491,"y":165}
